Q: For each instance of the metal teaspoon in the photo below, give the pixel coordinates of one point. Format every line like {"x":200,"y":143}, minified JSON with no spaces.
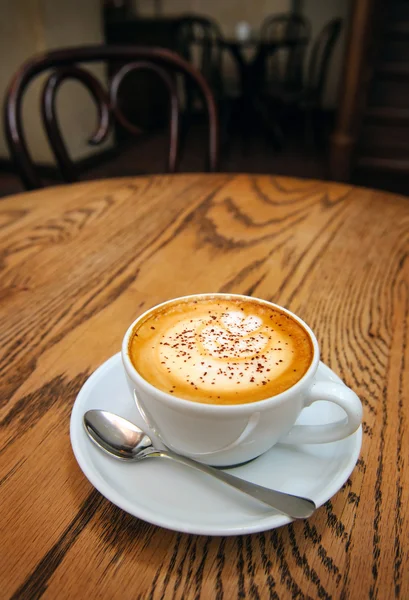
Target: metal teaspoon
{"x":124,"y":440}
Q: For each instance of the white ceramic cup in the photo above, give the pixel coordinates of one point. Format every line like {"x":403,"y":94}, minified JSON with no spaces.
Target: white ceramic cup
{"x":232,"y":434}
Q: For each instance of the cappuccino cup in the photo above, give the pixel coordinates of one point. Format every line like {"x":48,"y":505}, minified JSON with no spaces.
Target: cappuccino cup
{"x":222,"y":378}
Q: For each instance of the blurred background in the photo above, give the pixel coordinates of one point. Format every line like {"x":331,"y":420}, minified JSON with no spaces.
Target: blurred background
{"x":304,"y":87}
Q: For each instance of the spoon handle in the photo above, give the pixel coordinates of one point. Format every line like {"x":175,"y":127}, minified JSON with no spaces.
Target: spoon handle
{"x":288,"y":504}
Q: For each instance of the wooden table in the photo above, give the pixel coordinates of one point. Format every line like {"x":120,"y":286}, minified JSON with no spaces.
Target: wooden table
{"x":90,"y":257}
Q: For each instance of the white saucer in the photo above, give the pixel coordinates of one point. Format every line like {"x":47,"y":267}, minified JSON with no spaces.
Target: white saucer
{"x":179,"y":498}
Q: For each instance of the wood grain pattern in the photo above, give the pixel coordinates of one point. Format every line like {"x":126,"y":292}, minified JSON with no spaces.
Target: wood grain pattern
{"x":79,"y":263}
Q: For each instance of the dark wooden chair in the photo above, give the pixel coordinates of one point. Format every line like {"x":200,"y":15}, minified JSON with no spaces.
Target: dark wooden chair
{"x":319,"y":62}
{"x":309,"y":99}
{"x":64,"y":64}
{"x":284,"y":67}
{"x":199,"y":41}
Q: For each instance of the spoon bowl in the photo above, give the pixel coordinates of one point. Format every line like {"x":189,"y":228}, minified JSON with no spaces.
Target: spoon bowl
{"x":115,"y":435}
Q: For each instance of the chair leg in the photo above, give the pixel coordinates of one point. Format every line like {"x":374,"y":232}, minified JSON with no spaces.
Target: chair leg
{"x":243,"y":116}
{"x":187,"y":115}
{"x":225,"y":118}
{"x":309,"y":128}
{"x":270,"y":123}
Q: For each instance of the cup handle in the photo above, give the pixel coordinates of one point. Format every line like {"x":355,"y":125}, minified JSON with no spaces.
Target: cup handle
{"x":339,"y":394}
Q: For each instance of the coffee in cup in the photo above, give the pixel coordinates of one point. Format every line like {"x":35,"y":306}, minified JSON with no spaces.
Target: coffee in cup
{"x":220,"y":350}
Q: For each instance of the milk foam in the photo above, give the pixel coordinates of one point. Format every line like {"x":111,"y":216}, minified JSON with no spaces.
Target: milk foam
{"x":219,"y":354}
{"x":219,"y":351}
